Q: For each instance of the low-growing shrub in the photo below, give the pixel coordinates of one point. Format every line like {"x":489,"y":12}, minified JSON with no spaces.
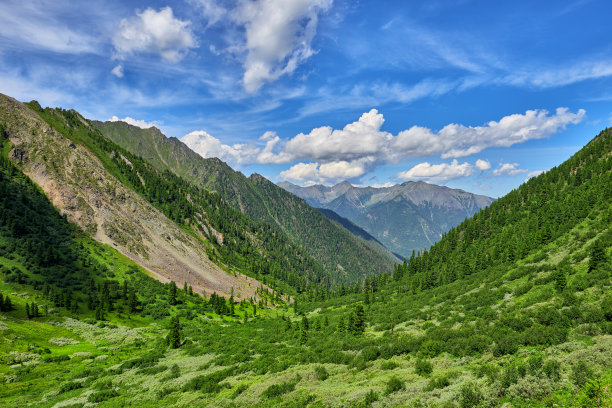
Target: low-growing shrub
{"x":322,"y":373}
{"x":102,"y":396}
{"x":393,"y":385}
{"x":423,"y":367}
{"x":470,"y":396}
{"x":276,"y":390}
{"x":69,"y":386}
{"x":389,"y":365}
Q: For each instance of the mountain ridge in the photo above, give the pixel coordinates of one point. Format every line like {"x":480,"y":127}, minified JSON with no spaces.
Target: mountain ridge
{"x":346,"y":256}
{"x":404,"y":217}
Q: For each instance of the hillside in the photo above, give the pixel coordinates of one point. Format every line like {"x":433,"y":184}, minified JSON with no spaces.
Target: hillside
{"x":510,"y":308}
{"x":345,"y":257}
{"x":405,"y":217}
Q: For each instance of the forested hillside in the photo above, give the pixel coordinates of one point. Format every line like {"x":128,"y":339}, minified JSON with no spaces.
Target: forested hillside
{"x":486,"y":318}
{"x":335,"y":248}
{"x":231,"y":237}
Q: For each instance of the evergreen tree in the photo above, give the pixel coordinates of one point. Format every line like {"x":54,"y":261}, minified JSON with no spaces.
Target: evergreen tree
{"x":358,"y":326}
{"x":174,"y":337}
{"x":303,"y":336}
{"x":560,"y":280}
{"x":132,"y":303}
{"x":27,"y":310}
{"x":305,"y":324}
{"x":172,"y":295}
{"x":598,"y":255}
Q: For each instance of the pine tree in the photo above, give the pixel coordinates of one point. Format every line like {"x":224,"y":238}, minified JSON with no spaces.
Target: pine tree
{"x":359,"y":320}
{"x":133,"y":304}
{"x":598,"y":255}
{"x":303,"y":336}
{"x":174,"y":337}
{"x":305,"y":324}
{"x":560,"y":280}
{"x":27,"y":310}
{"x":172,"y":298}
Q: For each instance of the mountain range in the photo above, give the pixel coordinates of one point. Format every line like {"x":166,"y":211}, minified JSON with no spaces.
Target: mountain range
{"x":405,"y":217}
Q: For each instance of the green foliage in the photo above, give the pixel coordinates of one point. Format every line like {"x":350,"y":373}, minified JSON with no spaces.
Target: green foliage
{"x":276,"y":390}
{"x":469,"y":396}
{"x":423,"y":367}
{"x":322,"y":373}
{"x":394,"y":385}
{"x":581,"y":372}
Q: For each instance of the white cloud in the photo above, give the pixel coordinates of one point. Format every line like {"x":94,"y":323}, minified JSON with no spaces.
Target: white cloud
{"x":508,"y":169}
{"x":364,"y":138}
{"x":533,"y":174}
{"x":278,"y":36}
{"x":437,"y":172}
{"x":560,"y":76}
{"x":211,"y":10}
{"x":208,"y":146}
{"x":482,"y":165}
{"x":135,"y":122}
{"x":310,"y":173}
{"x":118,"y":71}
{"x":157,"y":32}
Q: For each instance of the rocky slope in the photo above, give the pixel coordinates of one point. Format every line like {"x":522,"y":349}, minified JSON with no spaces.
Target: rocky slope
{"x":80,"y":187}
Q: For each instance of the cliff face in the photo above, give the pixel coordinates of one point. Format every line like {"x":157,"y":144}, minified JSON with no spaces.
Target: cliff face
{"x":77,"y":183}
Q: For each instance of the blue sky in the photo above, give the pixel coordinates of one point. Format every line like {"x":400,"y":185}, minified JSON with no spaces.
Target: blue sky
{"x":477,"y":95}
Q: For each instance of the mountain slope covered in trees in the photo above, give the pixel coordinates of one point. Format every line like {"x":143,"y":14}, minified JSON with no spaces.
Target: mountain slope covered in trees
{"x":405,"y":217}
{"x":339,"y":251}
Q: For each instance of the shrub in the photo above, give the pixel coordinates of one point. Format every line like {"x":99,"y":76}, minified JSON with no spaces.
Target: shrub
{"x":276,"y":390}
{"x":69,"y":386}
{"x":239,"y":390}
{"x":370,"y":398}
{"x":389,"y":365}
{"x":581,"y":372}
{"x":423,"y":367}
{"x":440,"y":382}
{"x":508,"y":344}
{"x":393,"y":385}
{"x":470,"y":396}
{"x":322,"y":373}
{"x":102,"y":396}
{"x":552,"y":369}
{"x":370,"y":353}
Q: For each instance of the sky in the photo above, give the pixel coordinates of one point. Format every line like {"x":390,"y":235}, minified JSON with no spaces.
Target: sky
{"x":477,"y":95}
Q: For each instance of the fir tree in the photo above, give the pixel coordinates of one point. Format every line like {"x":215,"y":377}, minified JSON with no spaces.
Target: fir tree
{"x":174,"y":337}
{"x":27,"y":310}
{"x":172,"y":295}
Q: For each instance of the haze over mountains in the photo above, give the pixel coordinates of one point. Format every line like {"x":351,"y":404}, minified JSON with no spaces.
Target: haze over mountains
{"x":404,"y":217}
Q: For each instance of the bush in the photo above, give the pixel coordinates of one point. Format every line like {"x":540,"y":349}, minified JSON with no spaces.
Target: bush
{"x":507,"y":344}
{"x":322,"y":373}
{"x":470,"y":396}
{"x":423,"y":367}
{"x":102,"y":396}
{"x":69,"y":386}
{"x":370,"y":398}
{"x":440,"y":382}
{"x":370,"y":353}
{"x":389,"y":365}
{"x":393,"y":385}
{"x":581,"y":372}
{"x":276,"y":390}
{"x":239,"y":390}
{"x":552,"y":369}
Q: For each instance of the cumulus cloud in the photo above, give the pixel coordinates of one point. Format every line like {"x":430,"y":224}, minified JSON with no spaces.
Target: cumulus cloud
{"x":437,"y":172}
{"x":118,"y":71}
{"x":365,"y":139}
{"x":208,"y":146}
{"x":482,"y":165}
{"x":508,"y":169}
{"x":155,"y":32}
{"x":533,"y":174}
{"x":279,"y":34}
{"x":135,"y":122}
{"x":332,"y":172}
{"x":328,"y":154}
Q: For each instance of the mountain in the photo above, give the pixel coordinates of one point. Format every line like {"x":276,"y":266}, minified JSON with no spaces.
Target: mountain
{"x":404,"y":217}
{"x":345,"y":257}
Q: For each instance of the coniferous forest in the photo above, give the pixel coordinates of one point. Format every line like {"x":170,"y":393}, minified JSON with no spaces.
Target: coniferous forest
{"x":513,"y":307}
